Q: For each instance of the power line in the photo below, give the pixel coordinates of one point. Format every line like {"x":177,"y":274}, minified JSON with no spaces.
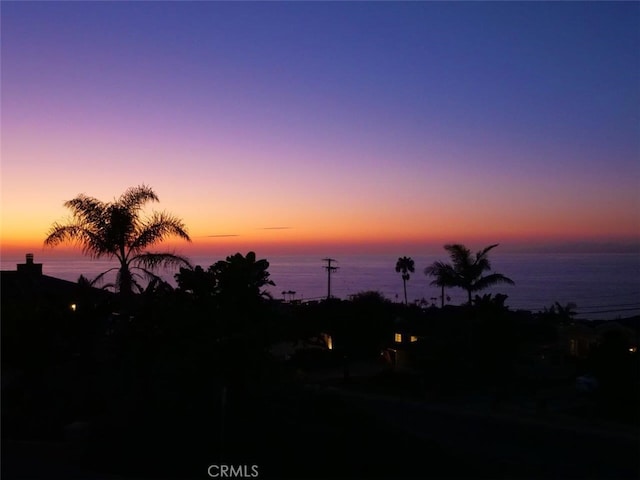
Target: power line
{"x":613,"y":305}
{"x":610,"y":311}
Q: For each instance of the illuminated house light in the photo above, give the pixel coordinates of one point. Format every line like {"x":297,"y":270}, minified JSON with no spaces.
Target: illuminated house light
{"x":328,"y":341}
{"x":633,"y":349}
{"x":73,"y":307}
{"x":573,"y":347}
{"x":398,"y":337}
{"x":413,"y":338}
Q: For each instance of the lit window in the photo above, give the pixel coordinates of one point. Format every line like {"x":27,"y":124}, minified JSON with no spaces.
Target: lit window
{"x":573,"y":347}
{"x":398,"y":337}
{"x":413,"y":338}
{"x":329,"y":341}
{"x":73,"y":307}
{"x":633,"y":349}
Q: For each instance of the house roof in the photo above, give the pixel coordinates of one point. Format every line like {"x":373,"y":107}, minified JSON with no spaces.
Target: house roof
{"x":16,"y":285}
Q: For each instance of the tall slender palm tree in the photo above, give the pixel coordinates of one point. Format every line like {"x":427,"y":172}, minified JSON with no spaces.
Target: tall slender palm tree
{"x":405,"y":265}
{"x":444,"y":277}
{"x":468,"y":270}
{"x":117,"y":230}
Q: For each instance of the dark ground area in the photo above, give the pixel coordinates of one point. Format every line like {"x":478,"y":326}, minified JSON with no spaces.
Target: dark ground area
{"x":326,"y":433}
{"x":295,"y":436}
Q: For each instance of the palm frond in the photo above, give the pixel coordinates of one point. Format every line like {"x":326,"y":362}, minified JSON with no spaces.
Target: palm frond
{"x":489,"y":280}
{"x":84,"y":282}
{"x":59,"y":233}
{"x":152,"y":261}
{"x":120,"y":225}
{"x":108,"y":286}
{"x":86,"y":209}
{"x":483,"y":253}
{"x":147,"y":274}
{"x":100,"y":277}
{"x":482,"y":262}
{"x":405,"y":264}
{"x":77,"y":234}
{"x":436,"y":267}
{"x":157,"y":285}
{"x":135,"y":197}
{"x":444,"y":274}
{"x":95,"y":246}
{"x":160,"y":226}
{"x":137,"y":285}
{"x":460,"y":256}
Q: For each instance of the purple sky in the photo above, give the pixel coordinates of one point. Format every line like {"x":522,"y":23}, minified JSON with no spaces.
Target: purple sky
{"x":356,"y":123}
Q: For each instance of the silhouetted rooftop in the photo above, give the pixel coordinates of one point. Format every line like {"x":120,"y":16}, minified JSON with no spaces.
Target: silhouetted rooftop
{"x":27,"y":281}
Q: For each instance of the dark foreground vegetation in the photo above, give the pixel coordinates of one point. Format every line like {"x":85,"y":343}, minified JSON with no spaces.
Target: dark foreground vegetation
{"x":152,"y":381}
{"x":166,"y":383}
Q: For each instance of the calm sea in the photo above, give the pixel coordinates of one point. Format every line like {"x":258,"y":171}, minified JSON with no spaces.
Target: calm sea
{"x":603,"y":286}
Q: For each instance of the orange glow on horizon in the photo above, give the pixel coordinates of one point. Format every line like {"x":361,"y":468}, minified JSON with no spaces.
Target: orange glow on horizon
{"x":283,"y":241}
{"x":414,"y":229}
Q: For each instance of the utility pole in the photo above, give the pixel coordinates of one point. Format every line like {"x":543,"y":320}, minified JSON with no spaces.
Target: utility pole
{"x":330,"y":269}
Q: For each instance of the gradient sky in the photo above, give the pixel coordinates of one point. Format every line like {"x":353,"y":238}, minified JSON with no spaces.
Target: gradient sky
{"x":285,"y":126}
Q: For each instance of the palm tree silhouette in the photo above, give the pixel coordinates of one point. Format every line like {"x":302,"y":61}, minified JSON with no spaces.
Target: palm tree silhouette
{"x":117,"y":230}
{"x":405,"y":265}
{"x":468,"y":270}
{"x":444,"y":277}
{"x":563,"y":314}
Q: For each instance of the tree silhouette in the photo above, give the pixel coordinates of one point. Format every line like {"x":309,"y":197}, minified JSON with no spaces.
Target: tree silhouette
{"x":117,"y":230}
{"x":468,"y":270}
{"x":198,"y":282}
{"x":240,"y":279}
{"x":444,"y":277}
{"x":560,"y":314}
{"x":405,"y":265}
{"x":566,"y":312}
{"x":88,"y":284}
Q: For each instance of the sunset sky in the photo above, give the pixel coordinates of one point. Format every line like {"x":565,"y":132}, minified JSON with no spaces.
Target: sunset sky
{"x":328,"y":126}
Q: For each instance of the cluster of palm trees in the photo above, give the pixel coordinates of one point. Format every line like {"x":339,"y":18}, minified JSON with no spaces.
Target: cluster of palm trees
{"x":117,"y":230}
{"x":466,"y":271}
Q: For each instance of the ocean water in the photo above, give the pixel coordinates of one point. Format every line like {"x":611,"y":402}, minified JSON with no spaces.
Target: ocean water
{"x":602,"y":285}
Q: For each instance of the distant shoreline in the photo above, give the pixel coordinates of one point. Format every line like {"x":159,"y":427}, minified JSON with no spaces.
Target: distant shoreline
{"x":603,"y":286}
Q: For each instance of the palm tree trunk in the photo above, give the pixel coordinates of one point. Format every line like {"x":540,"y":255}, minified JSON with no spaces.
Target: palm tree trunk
{"x":442,"y":298}
{"x":404,"y":284}
{"x":125,"y":283}
{"x":125,"y":291}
